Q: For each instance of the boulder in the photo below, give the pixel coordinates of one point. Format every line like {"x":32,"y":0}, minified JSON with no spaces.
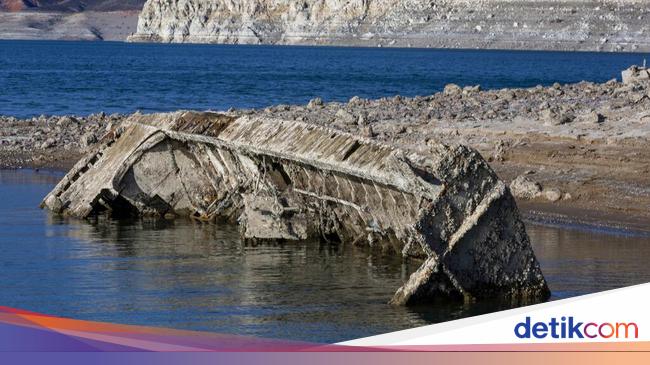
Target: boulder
{"x":591,"y":118}
{"x":315,"y":103}
{"x":345,"y":118}
{"x":635,"y":74}
{"x":553,"y":194}
{"x":452,"y":89}
{"x":88,"y":139}
{"x":50,"y":142}
{"x":66,"y":121}
{"x":555,"y":117}
{"x":471,"y":89}
{"x":524,"y":187}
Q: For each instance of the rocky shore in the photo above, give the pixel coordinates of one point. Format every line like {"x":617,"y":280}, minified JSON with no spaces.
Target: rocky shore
{"x":573,"y":152}
{"x":50,"y":141}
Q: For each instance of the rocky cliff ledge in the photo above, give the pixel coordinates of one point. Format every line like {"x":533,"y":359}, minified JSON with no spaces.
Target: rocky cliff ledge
{"x":510,"y":24}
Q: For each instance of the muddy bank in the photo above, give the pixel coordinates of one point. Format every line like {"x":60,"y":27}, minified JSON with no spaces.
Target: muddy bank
{"x":576,"y":151}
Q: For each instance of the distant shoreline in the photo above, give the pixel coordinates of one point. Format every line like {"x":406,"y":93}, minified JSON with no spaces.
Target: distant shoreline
{"x":325,"y":46}
{"x":71,"y":26}
{"x":538,"y":46}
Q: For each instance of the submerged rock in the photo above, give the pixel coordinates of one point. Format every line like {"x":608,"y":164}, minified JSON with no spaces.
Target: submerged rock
{"x":287,"y":180}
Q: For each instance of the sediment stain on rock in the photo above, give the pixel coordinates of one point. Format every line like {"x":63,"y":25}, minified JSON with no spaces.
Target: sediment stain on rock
{"x":498,"y":24}
{"x":287,"y":180}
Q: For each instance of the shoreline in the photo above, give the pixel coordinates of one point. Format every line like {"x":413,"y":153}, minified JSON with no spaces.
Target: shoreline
{"x":344,"y":46}
{"x":71,"y":26}
{"x":521,"y":46}
{"x":583,"y":220}
{"x":576,"y":152}
{"x":398,"y":46}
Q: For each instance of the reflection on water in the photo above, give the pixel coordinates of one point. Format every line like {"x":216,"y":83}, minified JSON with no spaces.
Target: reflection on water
{"x":577,"y":262}
{"x":193,"y":276}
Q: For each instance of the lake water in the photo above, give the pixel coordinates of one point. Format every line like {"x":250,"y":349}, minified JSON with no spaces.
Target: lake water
{"x":201,"y":277}
{"x":85,"y":77}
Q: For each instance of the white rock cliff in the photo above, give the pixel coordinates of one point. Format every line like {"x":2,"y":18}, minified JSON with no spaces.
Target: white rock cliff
{"x":575,"y":25}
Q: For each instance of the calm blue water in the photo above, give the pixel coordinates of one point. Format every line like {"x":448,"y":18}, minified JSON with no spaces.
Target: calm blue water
{"x":85,"y":77}
{"x":202,"y":277}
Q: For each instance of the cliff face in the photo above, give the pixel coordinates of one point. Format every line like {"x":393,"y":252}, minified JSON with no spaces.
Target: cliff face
{"x":274,"y":21}
{"x":569,"y":25}
{"x":15,"y":5}
{"x":69,"y":20}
